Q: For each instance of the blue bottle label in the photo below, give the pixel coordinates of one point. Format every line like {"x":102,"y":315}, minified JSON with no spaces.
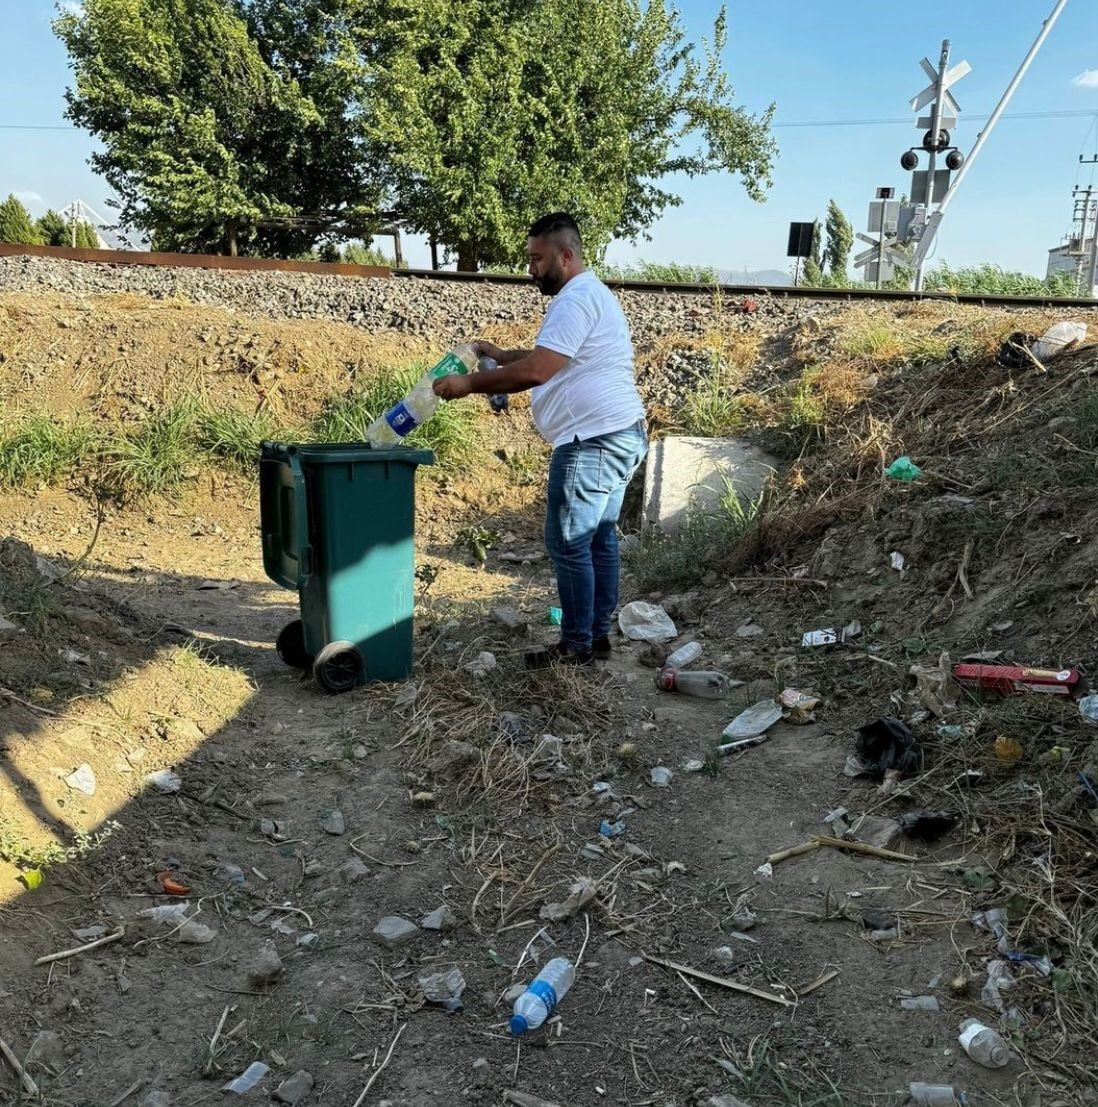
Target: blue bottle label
{"x":544,"y":991}
{"x":401,"y":419}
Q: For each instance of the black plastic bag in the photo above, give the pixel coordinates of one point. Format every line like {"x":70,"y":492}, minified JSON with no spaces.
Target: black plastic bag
{"x":885,"y":745}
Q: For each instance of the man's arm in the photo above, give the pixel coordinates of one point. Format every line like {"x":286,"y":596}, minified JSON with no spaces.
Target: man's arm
{"x":525,"y":372}
{"x":498,"y":354}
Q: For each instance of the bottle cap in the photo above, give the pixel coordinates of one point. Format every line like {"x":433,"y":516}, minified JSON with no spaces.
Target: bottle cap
{"x":519,"y":1025}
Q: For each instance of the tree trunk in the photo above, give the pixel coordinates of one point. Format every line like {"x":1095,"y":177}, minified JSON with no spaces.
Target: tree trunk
{"x":230,"y":237}
{"x":467,"y":257}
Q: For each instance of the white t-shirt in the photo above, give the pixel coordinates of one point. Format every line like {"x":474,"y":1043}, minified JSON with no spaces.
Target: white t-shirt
{"x":595,"y":393}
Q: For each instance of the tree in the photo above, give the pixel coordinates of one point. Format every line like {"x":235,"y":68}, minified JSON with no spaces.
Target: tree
{"x":491,"y":112}
{"x":53,"y":230}
{"x":193,"y":121}
{"x":813,"y":266}
{"x":840,"y":241}
{"x":16,"y":224}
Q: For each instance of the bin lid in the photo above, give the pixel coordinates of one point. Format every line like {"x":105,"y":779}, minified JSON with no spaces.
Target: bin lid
{"x":322,"y":453}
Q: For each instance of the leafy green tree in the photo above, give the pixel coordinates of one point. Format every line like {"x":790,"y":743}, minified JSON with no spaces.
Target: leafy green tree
{"x":53,"y":230}
{"x":86,"y":236}
{"x":490,"y":112}
{"x":16,"y":224}
{"x":362,"y":253}
{"x":191,"y":118}
{"x":840,"y":241}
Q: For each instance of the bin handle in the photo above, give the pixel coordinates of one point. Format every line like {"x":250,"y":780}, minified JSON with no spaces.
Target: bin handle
{"x":301,"y":517}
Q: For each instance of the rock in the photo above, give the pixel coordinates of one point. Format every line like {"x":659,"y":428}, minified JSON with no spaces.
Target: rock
{"x":194,"y":933}
{"x":481,"y":665}
{"x":394,"y":931}
{"x":513,"y":993}
{"x":294,"y":1088}
{"x":89,"y":933}
{"x":481,"y":1065}
{"x":442,"y":918}
{"x":46,"y":1051}
{"x":332,"y":822}
{"x":6,"y":625}
{"x":726,"y":955}
{"x":514,"y":727}
{"x":82,"y":779}
{"x":454,"y":758}
{"x":508,"y":617}
{"x":266,"y":966}
{"x":876,"y":830}
{"x":749,"y":630}
{"x":354,"y":870}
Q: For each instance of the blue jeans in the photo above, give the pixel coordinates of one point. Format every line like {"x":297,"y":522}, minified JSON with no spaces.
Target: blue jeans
{"x":587,"y":483}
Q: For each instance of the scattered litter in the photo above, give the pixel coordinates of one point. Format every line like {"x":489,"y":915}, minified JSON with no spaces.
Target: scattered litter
{"x":553,"y":615}
{"x":82,"y":779}
{"x":579,"y":895}
{"x":935,"y":687}
{"x":607,"y":829}
{"x":217,"y":586}
{"x":749,"y":630}
{"x":71,"y":657}
{"x":394,"y":931}
{"x":332,"y":822}
{"x":308,"y":940}
{"x":513,"y":727}
{"x":896,"y":561}
{"x":954,"y":732}
{"x":983,"y":1045}
{"x":646,"y":622}
{"x":920,"y":1003}
{"x":166,"y":782}
{"x":660,"y":777}
{"x":481,"y":665}
{"x":872,"y":919}
{"x":756,"y":720}
{"x":542,"y":995}
{"x":1008,"y":750}
{"x":927,"y":825}
{"x":1040,"y":962}
{"x":999,"y":980}
{"x":295,"y":1088}
{"x":706,"y":685}
{"x":1088,"y":708}
{"x":1011,"y":680}
{"x":406,"y":696}
{"x":693,"y":766}
{"x":903,"y":469}
{"x":248,"y":1079}
{"x":935,"y":1095}
{"x":1058,"y":339}
{"x":170,"y":885}
{"x":194,"y":933}
{"x":683,"y":656}
{"x":442,"y":918}
{"x":887,"y":746}
{"x":31,"y":878}
{"x":799,"y":707}
{"x":832,"y":636}
{"x":443,"y":988}
{"x":765,"y":871}
{"x":89,"y":933}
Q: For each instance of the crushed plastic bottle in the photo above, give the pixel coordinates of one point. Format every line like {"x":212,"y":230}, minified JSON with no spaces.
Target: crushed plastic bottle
{"x":542,"y":995}
{"x":421,"y":403}
{"x":984,"y":1045}
{"x":1059,"y":338}
{"x":904,"y":469}
{"x":704,"y":685}
{"x":935,"y":1095}
{"x":683,"y":656}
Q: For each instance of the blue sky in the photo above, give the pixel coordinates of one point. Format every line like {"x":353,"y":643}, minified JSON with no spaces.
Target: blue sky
{"x":818,"y":60}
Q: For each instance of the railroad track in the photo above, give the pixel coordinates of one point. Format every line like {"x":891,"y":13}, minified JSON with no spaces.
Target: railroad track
{"x":787,"y":292}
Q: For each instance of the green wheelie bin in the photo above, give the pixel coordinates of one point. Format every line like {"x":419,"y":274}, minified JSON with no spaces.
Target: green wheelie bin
{"x":338,"y":527}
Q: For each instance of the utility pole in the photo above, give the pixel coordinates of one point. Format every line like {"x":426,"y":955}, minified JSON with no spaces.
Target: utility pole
{"x":1092,"y":269}
{"x":936,"y":130}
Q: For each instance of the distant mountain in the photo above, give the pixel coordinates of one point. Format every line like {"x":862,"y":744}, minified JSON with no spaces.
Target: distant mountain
{"x":754,"y":276}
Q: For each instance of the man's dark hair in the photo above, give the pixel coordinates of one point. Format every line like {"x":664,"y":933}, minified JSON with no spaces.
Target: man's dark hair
{"x":558,"y":223}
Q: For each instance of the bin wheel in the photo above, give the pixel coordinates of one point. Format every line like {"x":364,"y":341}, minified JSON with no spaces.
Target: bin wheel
{"x":291,"y":646}
{"x":337,"y":666}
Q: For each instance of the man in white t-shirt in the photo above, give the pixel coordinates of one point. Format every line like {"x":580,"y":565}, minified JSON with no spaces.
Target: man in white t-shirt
{"x":585,"y":404}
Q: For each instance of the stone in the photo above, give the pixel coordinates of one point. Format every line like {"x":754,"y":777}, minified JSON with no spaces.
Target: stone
{"x":481,"y":1065}
{"x":82,"y":779}
{"x":294,"y":1088}
{"x":332,"y":822}
{"x":266,"y":966}
{"x":354,"y":870}
{"x":394,"y":931}
{"x":454,"y":758}
{"x":509,"y":618}
{"x":481,"y":665}
{"x":442,"y":918}
{"x":513,"y":993}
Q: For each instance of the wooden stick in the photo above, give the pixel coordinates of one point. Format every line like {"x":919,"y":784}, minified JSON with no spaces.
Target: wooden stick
{"x":721,"y":981}
{"x":381,"y":1068}
{"x":378,"y":860}
{"x":780,"y":580}
{"x":962,"y":569}
{"x":126,"y":1094}
{"x":526,"y":883}
{"x":825,"y":979}
{"x":841,"y":844}
{"x":207,"y":1068}
{"x":28,"y":1083}
{"x":65,"y":954}
{"x":521,"y":1099}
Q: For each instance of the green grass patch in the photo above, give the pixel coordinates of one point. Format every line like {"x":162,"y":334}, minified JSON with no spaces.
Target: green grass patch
{"x":232,"y":435}
{"x":159,"y":454}
{"x":666,"y":272}
{"x":453,"y":432}
{"x":45,"y":450}
{"x":709,"y":534}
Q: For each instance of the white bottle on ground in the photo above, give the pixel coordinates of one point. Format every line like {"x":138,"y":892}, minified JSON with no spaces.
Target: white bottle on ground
{"x":542,"y":995}
{"x":421,"y":403}
{"x":984,"y":1045}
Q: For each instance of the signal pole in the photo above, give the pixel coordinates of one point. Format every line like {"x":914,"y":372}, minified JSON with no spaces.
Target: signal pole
{"x":1092,"y":269}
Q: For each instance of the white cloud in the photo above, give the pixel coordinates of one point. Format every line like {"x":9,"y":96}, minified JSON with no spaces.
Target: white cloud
{"x":71,"y":7}
{"x":1087,"y":79}
{"x":30,"y":198}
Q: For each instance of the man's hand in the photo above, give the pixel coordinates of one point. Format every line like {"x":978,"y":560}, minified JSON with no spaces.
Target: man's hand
{"x":454,"y":386}
{"x":488,"y":349}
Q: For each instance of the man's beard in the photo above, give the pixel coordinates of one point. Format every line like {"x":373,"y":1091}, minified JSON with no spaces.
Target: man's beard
{"x":551,"y":283}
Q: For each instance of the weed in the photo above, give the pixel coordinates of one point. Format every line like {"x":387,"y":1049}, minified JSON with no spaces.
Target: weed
{"x":876,"y":341}
{"x":452,"y":432}
{"x":670,"y":272}
{"x":233,"y":435}
{"x":158,"y":456}
{"x":762,"y":1075}
{"x":477,"y":541}
{"x":707,"y":535}
{"x":43,"y":449}
{"x":17,"y":849}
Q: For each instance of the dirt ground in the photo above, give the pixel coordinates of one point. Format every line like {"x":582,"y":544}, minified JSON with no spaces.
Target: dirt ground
{"x":160,"y":656}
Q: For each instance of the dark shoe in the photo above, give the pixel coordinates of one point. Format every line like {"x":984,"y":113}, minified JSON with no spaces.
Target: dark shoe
{"x":601,"y":648}
{"x":557,"y":654}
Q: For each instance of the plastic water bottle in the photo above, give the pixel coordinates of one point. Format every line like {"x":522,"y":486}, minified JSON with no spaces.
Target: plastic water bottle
{"x":983,"y":1044}
{"x":421,"y":403}
{"x":542,"y":995}
{"x":704,"y":685}
{"x":683,"y":656}
{"x":499,"y":402}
